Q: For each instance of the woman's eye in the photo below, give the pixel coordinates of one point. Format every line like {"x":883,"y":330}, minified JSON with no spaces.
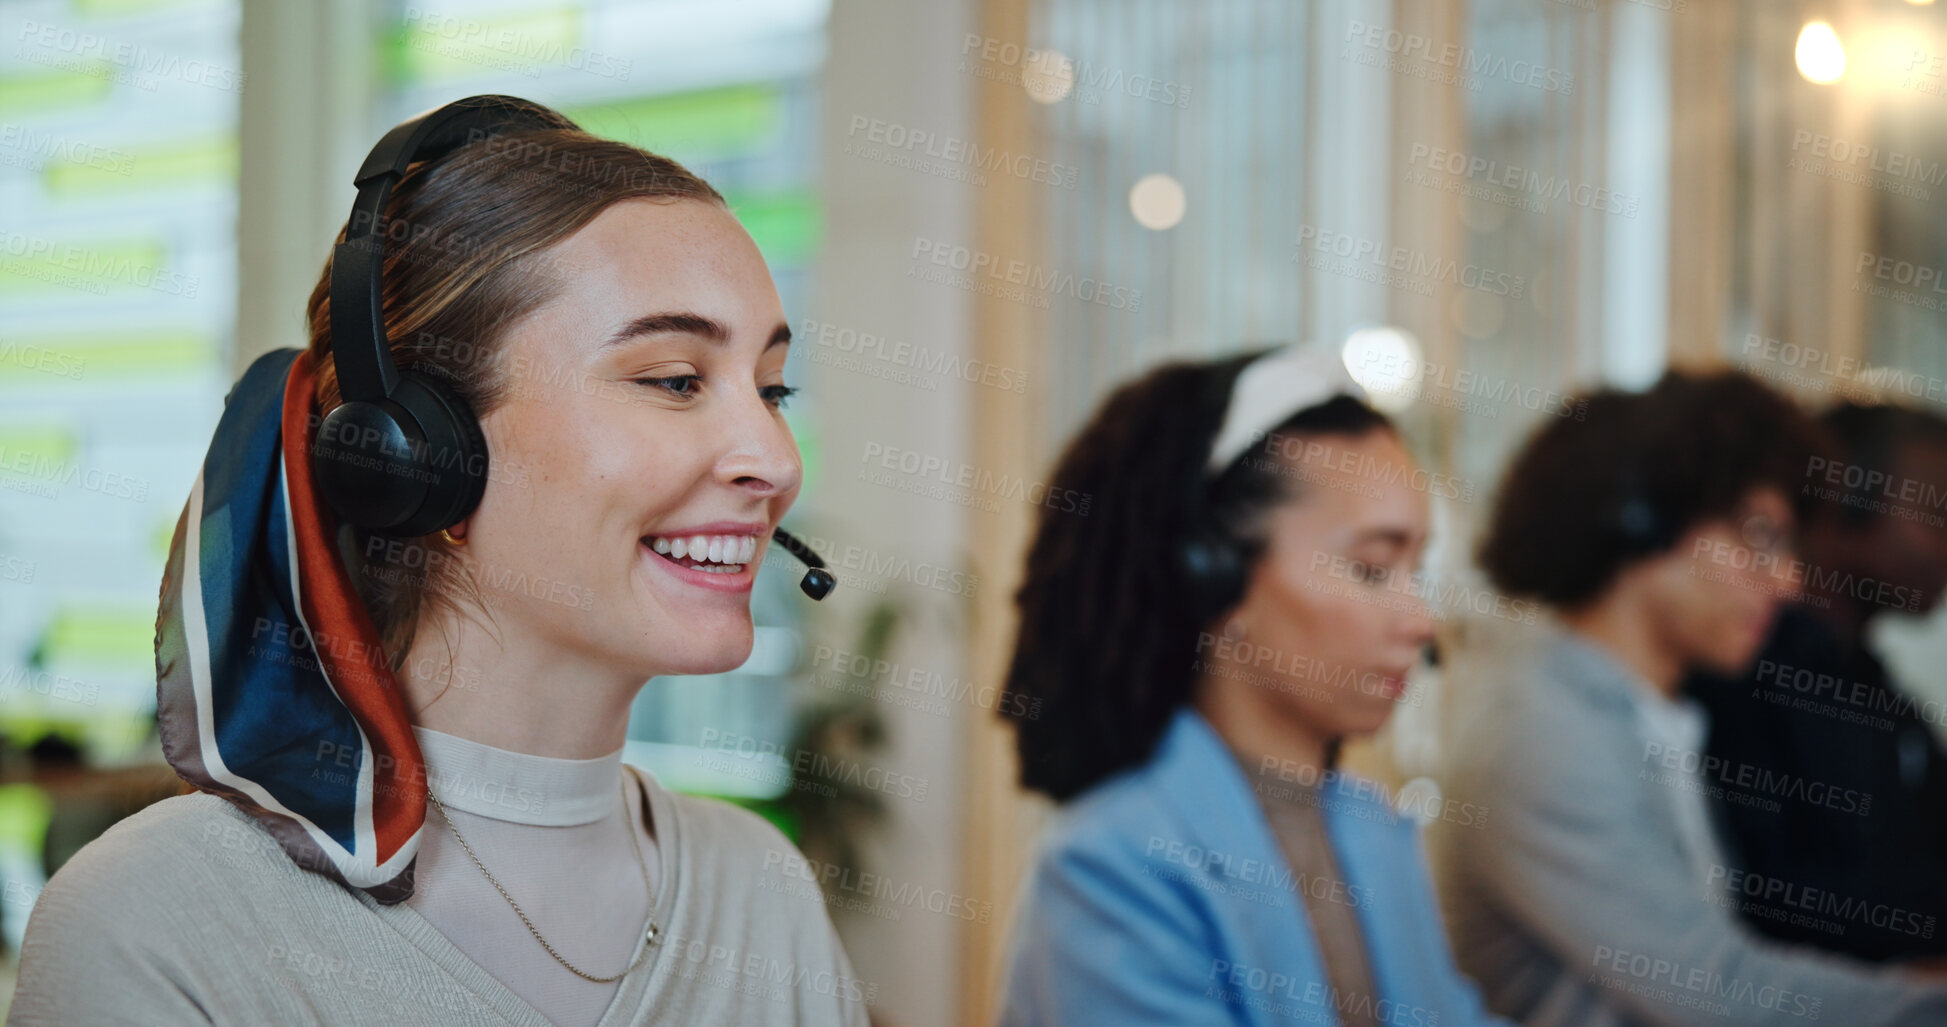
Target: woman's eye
{"x":1371,"y":573}
{"x":775,"y":395}
{"x":681,"y":385}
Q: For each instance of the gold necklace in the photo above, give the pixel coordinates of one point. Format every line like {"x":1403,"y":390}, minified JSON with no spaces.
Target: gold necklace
{"x":530,"y":924}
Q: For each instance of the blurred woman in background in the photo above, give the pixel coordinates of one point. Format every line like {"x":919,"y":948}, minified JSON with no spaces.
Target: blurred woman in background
{"x":1657,"y":527}
{"x":1191,"y":654}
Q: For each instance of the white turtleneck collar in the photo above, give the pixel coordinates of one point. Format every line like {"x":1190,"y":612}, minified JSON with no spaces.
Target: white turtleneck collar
{"x":519,"y":787}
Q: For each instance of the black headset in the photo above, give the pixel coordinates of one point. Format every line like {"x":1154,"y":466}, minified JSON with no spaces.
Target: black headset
{"x":1215,"y":568}
{"x":1641,"y":522}
{"x":1641,"y":528}
{"x":1211,"y":559}
{"x":403,"y":455}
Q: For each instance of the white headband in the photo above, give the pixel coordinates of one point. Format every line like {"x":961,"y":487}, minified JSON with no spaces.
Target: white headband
{"x":1273,"y":388}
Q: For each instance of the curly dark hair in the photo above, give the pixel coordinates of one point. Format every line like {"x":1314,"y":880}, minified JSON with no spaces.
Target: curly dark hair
{"x":1109,"y":612}
{"x":1629,"y":477}
{"x":1873,"y":437}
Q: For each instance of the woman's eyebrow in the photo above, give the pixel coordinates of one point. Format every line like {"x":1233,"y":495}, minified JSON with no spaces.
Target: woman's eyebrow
{"x":1398,"y":538}
{"x":681,"y":322}
{"x":687,"y":323}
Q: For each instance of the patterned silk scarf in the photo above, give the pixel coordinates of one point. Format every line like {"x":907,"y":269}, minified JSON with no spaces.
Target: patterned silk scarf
{"x":272,"y":690}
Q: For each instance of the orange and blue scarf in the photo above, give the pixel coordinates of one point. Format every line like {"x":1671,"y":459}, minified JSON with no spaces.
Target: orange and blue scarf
{"x":272,"y":689}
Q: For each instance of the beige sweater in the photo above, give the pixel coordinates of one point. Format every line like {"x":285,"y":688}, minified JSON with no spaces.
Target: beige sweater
{"x":189,"y":913}
{"x":529,"y":817}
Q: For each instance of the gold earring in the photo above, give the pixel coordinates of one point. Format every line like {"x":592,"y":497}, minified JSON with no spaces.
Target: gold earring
{"x":450,"y":539}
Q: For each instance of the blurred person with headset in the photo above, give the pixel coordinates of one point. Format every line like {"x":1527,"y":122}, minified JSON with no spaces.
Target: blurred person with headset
{"x":1818,"y":704}
{"x":1191,"y":655}
{"x":1656,"y":527}
{"x":532,"y":457}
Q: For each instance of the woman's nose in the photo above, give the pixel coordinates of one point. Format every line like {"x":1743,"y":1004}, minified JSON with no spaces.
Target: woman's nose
{"x":762,"y":454}
{"x":1419,"y":626}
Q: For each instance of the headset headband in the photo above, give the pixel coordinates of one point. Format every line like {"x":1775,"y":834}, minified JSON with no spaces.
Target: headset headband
{"x":1276,"y":386}
{"x":359,"y":346}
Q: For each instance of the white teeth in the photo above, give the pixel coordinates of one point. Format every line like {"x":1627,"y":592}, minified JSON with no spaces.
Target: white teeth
{"x":728,"y":553}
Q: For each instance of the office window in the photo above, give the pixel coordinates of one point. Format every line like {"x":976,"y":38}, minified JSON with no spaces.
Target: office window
{"x":118,"y":171}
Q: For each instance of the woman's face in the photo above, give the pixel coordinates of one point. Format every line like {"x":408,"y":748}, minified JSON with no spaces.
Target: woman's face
{"x":642,"y":412}
{"x":1330,"y":620}
{"x":1906,"y":551}
{"x":1712,"y":597}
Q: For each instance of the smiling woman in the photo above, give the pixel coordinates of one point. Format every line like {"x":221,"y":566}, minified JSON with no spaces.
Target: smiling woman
{"x":327,"y":675}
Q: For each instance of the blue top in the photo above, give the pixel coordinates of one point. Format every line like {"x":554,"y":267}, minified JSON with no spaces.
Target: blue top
{"x":1162,"y":896}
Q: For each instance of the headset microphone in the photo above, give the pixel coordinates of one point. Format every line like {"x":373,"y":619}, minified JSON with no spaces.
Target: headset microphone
{"x":817,"y":582}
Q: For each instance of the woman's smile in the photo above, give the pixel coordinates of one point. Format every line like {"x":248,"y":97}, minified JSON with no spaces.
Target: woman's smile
{"x":720,"y":556}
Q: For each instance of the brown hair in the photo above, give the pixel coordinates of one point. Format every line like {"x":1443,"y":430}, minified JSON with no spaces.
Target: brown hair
{"x":1629,"y":477}
{"x":465,"y":236}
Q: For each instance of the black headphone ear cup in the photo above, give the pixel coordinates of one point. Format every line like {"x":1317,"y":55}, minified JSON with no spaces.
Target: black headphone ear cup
{"x":476,"y":443}
{"x":404,"y":466}
{"x":1214,"y":568}
{"x":1636,"y":520}
{"x":453,"y":461}
{"x":1640,"y":524}
{"x":1228,"y":581}
{"x":362,"y":463}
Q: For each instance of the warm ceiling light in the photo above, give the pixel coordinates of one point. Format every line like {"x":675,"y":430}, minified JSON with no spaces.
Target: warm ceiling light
{"x":1820,"y":57}
{"x":1157,"y":201}
{"x":1385,"y":361}
{"x":1048,"y":76}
